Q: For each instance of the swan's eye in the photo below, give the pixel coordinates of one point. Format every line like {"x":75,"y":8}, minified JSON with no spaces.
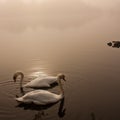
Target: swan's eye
{"x":19,"y":77}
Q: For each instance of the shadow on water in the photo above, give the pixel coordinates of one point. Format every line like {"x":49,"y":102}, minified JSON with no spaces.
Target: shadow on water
{"x":114,"y":44}
{"x":41,"y":109}
{"x":93,"y":116}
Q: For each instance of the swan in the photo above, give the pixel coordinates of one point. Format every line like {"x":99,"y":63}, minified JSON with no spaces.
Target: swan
{"x":38,"y":82}
{"x":41,"y":97}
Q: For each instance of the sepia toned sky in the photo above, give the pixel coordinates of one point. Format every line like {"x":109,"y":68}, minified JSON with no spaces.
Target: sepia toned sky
{"x":50,"y":28}
{"x":19,"y":15}
{"x":39,"y":23}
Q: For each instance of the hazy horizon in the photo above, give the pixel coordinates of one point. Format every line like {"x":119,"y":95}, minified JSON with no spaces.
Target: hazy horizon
{"x":51,"y":23}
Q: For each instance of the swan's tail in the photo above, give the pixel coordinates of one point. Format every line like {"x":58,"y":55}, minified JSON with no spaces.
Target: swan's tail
{"x":61,"y":96}
{"x":26,"y":86}
{"x":20,"y":99}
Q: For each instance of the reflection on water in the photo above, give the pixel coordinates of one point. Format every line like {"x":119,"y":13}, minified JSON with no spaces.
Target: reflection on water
{"x":39,"y":115}
{"x":93,"y":116}
{"x":41,"y":109}
{"x":62,"y":110}
{"x":37,"y":74}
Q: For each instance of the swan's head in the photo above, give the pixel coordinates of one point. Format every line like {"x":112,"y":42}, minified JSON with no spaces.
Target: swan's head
{"x":61,"y":76}
{"x":18,"y":76}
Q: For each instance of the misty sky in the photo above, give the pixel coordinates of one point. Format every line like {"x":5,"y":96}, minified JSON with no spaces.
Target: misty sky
{"x":45,"y":26}
{"x":20,"y":15}
{"x":58,"y":20}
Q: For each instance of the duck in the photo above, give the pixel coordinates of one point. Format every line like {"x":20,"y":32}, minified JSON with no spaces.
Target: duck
{"x":38,"y":82}
{"x":42,"y":97}
{"x":114,"y":44}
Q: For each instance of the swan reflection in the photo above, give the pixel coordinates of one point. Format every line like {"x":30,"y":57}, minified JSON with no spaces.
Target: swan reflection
{"x":42,"y":108}
{"x":39,"y":115}
{"x":62,"y":110}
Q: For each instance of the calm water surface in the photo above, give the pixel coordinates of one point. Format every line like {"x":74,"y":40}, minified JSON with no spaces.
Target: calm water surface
{"x":71,"y":40}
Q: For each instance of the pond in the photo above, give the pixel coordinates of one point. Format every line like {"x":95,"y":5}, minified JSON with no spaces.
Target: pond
{"x":47,"y":38}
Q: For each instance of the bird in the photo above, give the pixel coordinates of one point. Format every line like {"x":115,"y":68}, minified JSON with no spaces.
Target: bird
{"x":38,"y":82}
{"x":42,"y":97}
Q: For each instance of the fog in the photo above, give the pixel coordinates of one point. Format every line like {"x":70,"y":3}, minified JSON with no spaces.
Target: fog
{"x":46,"y":25}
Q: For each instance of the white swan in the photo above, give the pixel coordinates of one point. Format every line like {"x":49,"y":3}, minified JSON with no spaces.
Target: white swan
{"x":41,"y":97}
{"x":38,"y":82}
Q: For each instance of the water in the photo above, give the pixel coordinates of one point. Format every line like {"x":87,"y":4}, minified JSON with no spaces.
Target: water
{"x":48,"y":38}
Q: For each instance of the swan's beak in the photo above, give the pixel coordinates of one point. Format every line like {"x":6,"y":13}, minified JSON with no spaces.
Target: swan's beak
{"x":14,"y":80}
{"x":64,"y":79}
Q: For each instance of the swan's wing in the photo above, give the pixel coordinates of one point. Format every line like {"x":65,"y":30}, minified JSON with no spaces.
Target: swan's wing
{"x":41,"y":82}
{"x":37,"y":83}
{"x":49,"y":80}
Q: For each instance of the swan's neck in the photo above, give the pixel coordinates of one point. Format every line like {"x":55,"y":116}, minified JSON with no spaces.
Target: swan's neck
{"x":61,"y":87}
{"x":21,"y":83}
